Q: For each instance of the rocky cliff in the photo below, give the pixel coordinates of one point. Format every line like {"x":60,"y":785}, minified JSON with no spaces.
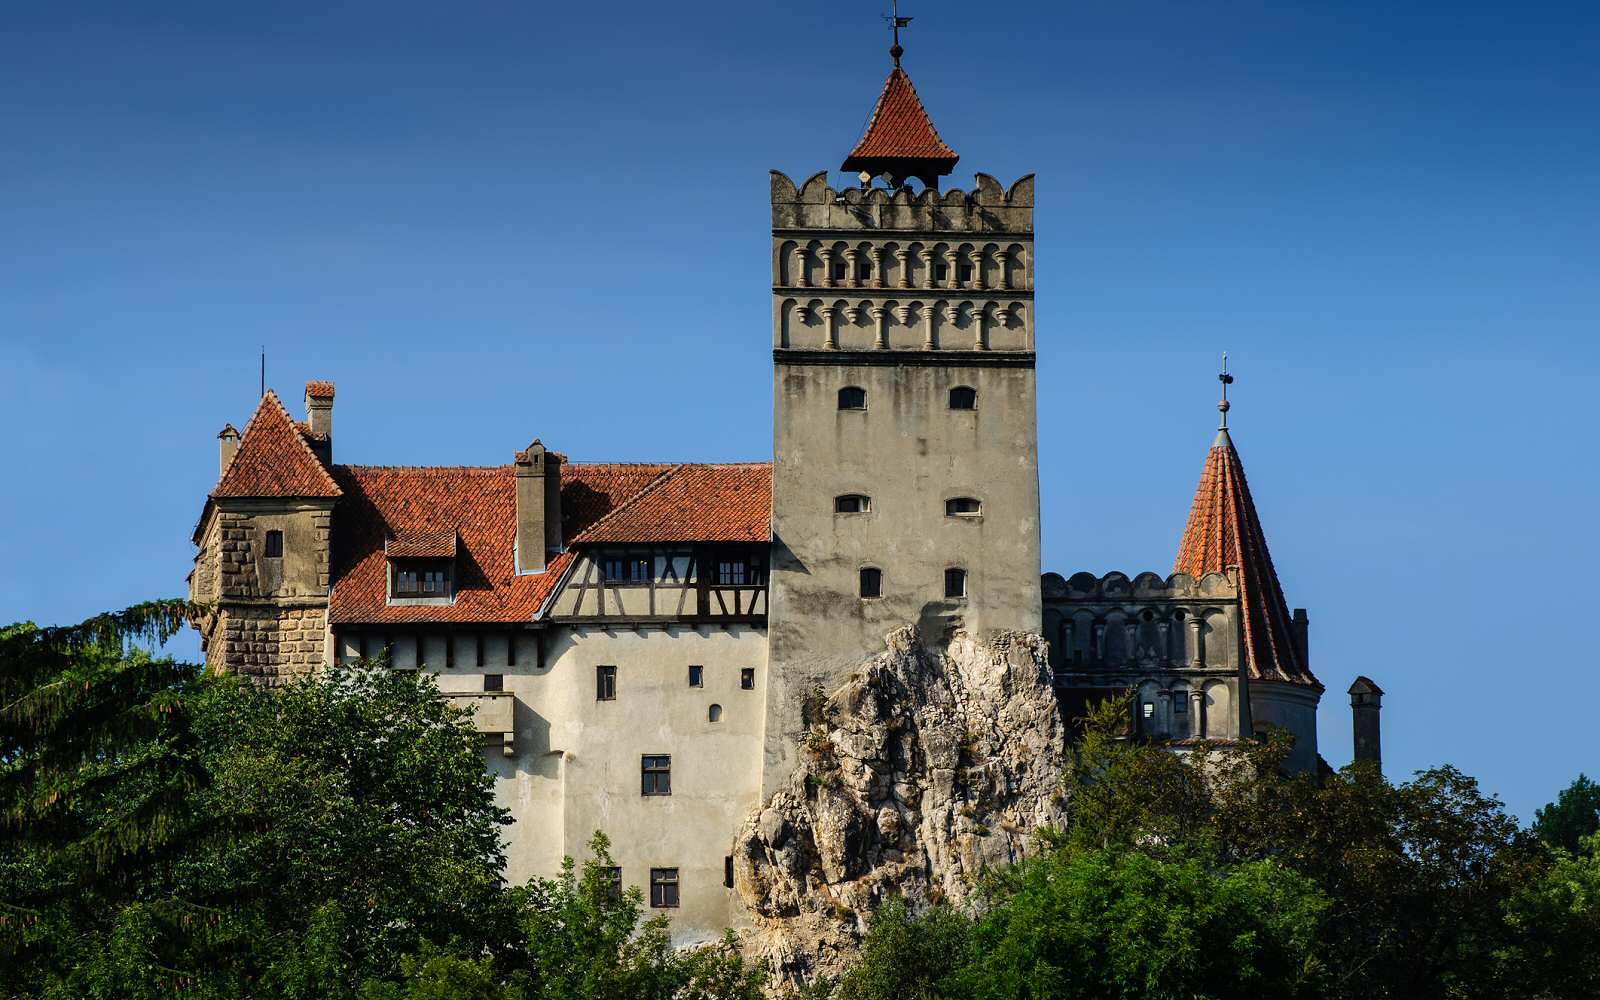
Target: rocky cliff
{"x":923,"y":768}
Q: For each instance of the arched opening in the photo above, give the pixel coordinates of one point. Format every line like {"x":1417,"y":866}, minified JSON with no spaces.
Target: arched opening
{"x":715,"y":714}
{"x":852,"y":397}
{"x":963,"y":397}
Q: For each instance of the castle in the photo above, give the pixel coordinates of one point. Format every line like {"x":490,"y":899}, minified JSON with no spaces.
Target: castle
{"x":638,"y":641}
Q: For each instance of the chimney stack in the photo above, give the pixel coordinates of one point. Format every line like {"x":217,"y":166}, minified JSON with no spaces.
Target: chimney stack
{"x":538,"y":507}
{"x":227,"y":447}
{"x":1366,"y":699}
{"x":1300,"y":628}
{"x":319,"y":419}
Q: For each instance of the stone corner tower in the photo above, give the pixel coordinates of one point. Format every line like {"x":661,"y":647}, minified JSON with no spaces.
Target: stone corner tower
{"x":905,"y":477}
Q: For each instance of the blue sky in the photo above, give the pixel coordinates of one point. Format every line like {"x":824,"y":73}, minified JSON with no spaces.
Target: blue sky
{"x":491,"y":221}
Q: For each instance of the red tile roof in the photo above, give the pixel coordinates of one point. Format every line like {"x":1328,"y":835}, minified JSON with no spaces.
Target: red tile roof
{"x":479,"y":505}
{"x":319,"y":390}
{"x":701,"y":503}
{"x":419,"y":543}
{"x":274,"y":460}
{"x":1223,"y":531}
{"x":900,"y":129}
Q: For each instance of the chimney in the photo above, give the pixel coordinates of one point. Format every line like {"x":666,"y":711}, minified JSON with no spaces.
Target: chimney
{"x":319,"y":419}
{"x":1300,"y":628}
{"x":1366,"y":699}
{"x":227,"y":447}
{"x":538,"y":507}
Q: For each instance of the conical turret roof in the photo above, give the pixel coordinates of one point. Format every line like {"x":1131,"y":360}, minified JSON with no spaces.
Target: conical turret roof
{"x":900,"y":139}
{"x":1223,"y":531}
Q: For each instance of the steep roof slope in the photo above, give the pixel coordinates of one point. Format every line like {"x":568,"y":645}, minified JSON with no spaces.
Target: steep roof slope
{"x":900,"y":137}
{"x":1224,"y":530}
{"x":274,"y":460}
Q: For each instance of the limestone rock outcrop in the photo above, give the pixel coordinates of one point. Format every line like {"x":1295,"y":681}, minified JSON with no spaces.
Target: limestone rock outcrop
{"x":923,"y":768}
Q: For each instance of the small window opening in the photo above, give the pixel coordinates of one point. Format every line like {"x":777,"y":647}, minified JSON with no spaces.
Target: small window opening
{"x":494,"y":682}
{"x":274,"y":545}
{"x":747,"y":678}
{"x":727,"y":871}
{"x":1148,"y":710}
{"x":852,"y":397}
{"x":1180,"y":703}
{"x":839,"y":270}
{"x":620,"y":569}
{"x":663,"y":888}
{"x":963,"y":507}
{"x":611,"y":880}
{"x":656,"y":775}
{"x":871,"y":582}
{"x":863,"y":270}
{"x":605,"y":683}
{"x":965,"y":274}
{"x":697,"y":676}
{"x":715,"y":715}
{"x":852,"y":503}
{"x":414,"y":580}
{"x":955,"y":582}
{"x":733,"y":573}
{"x":941,"y":272}
{"x":963,"y":397}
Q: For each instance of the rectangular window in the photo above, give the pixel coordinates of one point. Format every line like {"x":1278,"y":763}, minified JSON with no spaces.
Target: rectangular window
{"x":605,"y":683}
{"x":965,"y":274}
{"x":838,"y":270}
{"x":727,"y":870}
{"x":274,"y":547}
{"x":732,"y":573}
{"x":864,"y":270}
{"x":628,"y":569}
{"x":494,"y":682}
{"x":663,"y":888}
{"x":1180,"y":703}
{"x":421,"y":579}
{"x":697,"y":676}
{"x":611,"y":879}
{"x":941,"y":272}
{"x":747,"y":678}
{"x":955,"y":582}
{"x":656,"y":775}
{"x":871,"y":582}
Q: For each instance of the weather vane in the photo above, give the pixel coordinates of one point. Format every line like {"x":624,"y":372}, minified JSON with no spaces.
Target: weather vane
{"x":896,"y":22}
{"x":1226,"y":381}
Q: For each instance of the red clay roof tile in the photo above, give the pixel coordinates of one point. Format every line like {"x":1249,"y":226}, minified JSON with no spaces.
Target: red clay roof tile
{"x":421,"y":543}
{"x":1223,"y":531}
{"x":699,"y":503}
{"x":274,"y":460}
{"x":319,"y":389}
{"x":899,"y":129}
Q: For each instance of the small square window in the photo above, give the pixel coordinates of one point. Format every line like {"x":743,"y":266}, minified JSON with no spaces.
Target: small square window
{"x":697,"y":676}
{"x":656,"y":775}
{"x":1148,"y":710}
{"x":605,"y":683}
{"x":611,"y":880}
{"x":955,"y":582}
{"x":732,"y":572}
{"x":839,"y":270}
{"x":747,"y":678}
{"x":852,"y":397}
{"x":663,"y":888}
{"x":494,"y":682}
{"x":273,"y":549}
{"x":871,"y":582}
{"x":963,"y":397}
{"x":966,"y":274}
{"x":941,"y":272}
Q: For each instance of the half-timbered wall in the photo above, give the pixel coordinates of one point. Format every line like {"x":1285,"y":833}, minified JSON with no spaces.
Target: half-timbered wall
{"x":685,"y":584}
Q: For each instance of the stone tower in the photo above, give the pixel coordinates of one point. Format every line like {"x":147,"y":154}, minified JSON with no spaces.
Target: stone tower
{"x":264,"y":543}
{"x":905,"y":479}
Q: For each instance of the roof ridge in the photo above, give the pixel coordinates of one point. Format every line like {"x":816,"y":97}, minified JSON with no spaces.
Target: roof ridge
{"x":624,"y":505}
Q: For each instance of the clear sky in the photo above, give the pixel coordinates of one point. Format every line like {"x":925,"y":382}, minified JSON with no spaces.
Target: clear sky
{"x":491,"y":221}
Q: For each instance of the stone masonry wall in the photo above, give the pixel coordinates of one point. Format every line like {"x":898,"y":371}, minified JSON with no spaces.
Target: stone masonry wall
{"x":273,"y":645}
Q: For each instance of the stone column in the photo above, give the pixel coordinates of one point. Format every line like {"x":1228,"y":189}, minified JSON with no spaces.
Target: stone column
{"x":1197,"y":631}
{"x":950,"y":262}
{"x":927,"y":268}
{"x":877,"y":267}
{"x":1164,"y":628}
{"x":851,"y":276}
{"x":880,"y":316}
{"x":980,"y":327}
{"x":1003,"y":258}
{"x":902,"y":258}
{"x":976,"y":257}
{"x":800,"y":267}
{"x":825,"y":254}
{"x":829,"y":343}
{"x":928,"y":309}
{"x":1197,"y":707}
{"x":1099,"y":641}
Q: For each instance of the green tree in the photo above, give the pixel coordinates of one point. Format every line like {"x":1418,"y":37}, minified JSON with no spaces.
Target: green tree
{"x":1574,"y":815}
{"x":1553,"y":950}
{"x":906,"y":957}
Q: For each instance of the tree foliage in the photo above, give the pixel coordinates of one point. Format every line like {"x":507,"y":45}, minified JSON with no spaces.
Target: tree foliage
{"x":1573,"y":816}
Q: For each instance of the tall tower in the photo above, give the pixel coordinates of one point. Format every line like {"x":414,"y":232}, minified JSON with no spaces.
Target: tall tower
{"x":905,"y":480}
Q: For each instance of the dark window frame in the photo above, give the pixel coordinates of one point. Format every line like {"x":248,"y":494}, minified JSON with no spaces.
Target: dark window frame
{"x":849,"y":402}
{"x":747,"y":678}
{"x":964,"y":395}
{"x":955,"y":583}
{"x":605,"y":682}
{"x":421,"y":578}
{"x":697,"y":675}
{"x":870,"y":575}
{"x":626,"y":570}
{"x":664,"y":888}
{"x":655,"y":774}
{"x":953,"y":507}
{"x":852,"y":503}
{"x":272,"y":545}
{"x":611,"y":878}
{"x":494,"y":682}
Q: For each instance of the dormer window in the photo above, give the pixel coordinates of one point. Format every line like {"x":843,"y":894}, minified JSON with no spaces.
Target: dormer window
{"x":852,"y":397}
{"x":419,"y":578}
{"x":273,"y":548}
{"x":628,"y":569}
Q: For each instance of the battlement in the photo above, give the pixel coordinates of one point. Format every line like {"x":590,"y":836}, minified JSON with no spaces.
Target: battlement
{"x":987,"y":208}
{"x":1116,"y":586}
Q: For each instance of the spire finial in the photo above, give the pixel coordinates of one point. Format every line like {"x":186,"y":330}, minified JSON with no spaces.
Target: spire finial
{"x":896,"y":22}
{"x":1226,"y":381}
